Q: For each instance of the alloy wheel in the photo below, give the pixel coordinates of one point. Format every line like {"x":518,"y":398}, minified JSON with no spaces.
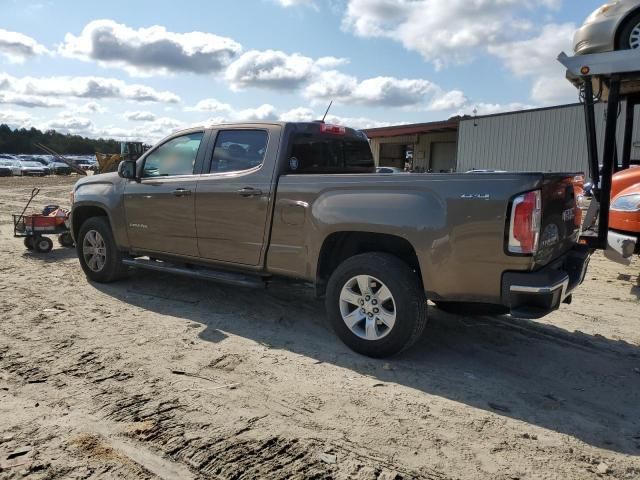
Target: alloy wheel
{"x":367,"y":307}
{"x":94,"y":251}
{"x":634,"y":38}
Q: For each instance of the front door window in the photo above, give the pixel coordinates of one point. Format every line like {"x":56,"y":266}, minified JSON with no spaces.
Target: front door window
{"x":175,"y":157}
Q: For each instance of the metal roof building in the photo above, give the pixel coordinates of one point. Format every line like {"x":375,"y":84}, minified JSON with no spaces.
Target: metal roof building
{"x":541,"y":140}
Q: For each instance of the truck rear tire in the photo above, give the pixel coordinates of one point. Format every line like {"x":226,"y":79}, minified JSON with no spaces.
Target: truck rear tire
{"x":98,"y":253}
{"x":376,"y":304}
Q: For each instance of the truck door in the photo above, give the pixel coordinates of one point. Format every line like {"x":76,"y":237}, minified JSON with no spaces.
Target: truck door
{"x":160,"y":209}
{"x":234,"y":195}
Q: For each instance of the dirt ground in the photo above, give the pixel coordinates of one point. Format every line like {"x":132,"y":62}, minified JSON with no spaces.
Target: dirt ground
{"x":159,"y":376}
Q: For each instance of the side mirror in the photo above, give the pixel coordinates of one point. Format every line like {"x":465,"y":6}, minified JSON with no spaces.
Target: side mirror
{"x":127,"y":169}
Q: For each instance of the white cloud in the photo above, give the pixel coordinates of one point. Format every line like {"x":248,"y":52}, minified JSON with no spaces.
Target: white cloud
{"x":448,"y":101}
{"x":493,"y":108}
{"x":296,"y":3}
{"x":417,"y":94}
{"x":226,"y":113}
{"x":536,"y":58}
{"x":69,"y":125}
{"x":29,"y":101}
{"x":263,"y":113}
{"x":332,"y":85}
{"x":553,"y":90}
{"x":17,"y":47}
{"x":331,"y":62}
{"x":149,"y":132}
{"x":533,"y":55}
{"x":300,"y":114}
{"x":84,"y":87}
{"x":140,"y":116}
{"x":210,"y":105}
{"x":266,"y":113}
{"x":442,"y":31}
{"x":304,"y":114}
{"x":90,"y":107}
{"x":357,"y":122}
{"x":152,"y":50}
{"x":14,"y":118}
{"x":271,"y":69}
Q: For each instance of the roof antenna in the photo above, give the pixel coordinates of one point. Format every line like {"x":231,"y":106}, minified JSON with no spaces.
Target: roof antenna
{"x":327,"y":111}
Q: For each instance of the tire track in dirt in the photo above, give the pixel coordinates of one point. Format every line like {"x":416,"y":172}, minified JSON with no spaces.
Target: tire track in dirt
{"x":156,"y":420}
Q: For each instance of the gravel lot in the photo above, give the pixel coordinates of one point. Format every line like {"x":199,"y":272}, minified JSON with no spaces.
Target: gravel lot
{"x":160,"y":376}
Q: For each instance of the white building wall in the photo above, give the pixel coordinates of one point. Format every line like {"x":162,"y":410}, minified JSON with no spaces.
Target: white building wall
{"x":540,"y":140}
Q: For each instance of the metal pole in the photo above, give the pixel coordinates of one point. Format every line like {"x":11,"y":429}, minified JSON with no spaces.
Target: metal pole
{"x":608,"y":158}
{"x":628,"y":132}
{"x":592,"y":140}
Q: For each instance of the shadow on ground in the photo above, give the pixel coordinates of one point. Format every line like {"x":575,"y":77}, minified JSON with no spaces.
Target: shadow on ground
{"x":635,"y":289}
{"x":577,"y":384}
{"x":57,"y":254}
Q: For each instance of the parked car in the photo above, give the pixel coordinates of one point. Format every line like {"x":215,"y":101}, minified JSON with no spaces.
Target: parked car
{"x":9,"y":168}
{"x":613,"y":26}
{"x":40,"y":160}
{"x":389,"y":170}
{"x":59,"y":168}
{"x":33,"y":169}
{"x":245,"y":203}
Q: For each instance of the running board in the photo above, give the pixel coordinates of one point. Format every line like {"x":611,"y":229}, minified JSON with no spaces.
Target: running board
{"x":230,"y":278}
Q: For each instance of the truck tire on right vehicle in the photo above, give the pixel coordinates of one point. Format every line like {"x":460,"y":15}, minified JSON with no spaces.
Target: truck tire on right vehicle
{"x":98,"y":253}
{"x":376,"y":304}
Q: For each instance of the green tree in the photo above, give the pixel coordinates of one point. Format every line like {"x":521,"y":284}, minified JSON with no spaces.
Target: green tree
{"x":24,"y":141}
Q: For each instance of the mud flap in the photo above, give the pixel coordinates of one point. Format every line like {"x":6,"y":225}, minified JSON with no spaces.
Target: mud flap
{"x":620,"y":248}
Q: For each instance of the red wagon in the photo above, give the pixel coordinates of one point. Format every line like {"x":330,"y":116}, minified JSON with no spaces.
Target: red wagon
{"x":33,"y":227}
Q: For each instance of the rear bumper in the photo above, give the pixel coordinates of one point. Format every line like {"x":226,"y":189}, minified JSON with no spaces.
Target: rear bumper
{"x":536,"y":294}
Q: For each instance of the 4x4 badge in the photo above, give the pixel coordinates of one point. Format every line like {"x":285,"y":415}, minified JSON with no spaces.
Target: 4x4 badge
{"x":475,"y":196}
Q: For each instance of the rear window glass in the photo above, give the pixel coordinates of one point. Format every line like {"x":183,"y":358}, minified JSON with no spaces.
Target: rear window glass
{"x":324,"y":154}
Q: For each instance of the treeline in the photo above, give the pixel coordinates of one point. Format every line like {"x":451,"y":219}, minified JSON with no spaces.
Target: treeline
{"x":24,"y":141}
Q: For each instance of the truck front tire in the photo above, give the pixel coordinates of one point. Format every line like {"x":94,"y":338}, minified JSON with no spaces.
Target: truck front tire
{"x":376,"y":304}
{"x":99,"y":256}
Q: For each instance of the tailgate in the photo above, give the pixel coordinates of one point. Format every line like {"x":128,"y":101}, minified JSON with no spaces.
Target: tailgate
{"x":561,"y":218}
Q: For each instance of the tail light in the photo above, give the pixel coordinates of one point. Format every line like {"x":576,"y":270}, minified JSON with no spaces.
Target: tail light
{"x":333,"y":129}
{"x":524,"y":227}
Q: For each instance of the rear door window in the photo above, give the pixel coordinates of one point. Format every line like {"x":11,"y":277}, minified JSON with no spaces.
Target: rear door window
{"x":322,"y":154}
{"x":238,"y":150}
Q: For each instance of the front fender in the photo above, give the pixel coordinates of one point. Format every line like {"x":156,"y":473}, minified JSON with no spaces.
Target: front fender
{"x":103,"y":192}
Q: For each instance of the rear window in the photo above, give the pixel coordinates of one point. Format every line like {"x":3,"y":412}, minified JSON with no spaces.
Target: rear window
{"x":327,"y":154}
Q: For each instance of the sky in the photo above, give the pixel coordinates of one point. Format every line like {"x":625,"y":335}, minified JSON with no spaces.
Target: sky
{"x":141,"y":69}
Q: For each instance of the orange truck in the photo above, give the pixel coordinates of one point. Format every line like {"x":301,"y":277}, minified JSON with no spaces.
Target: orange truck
{"x":624,"y":214}
{"x":624,"y":211}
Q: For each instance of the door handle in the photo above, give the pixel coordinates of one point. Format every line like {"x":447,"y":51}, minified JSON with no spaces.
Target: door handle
{"x":249,"y":192}
{"x":181,"y":192}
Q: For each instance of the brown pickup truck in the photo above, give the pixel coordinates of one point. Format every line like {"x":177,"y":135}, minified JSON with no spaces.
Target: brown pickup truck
{"x":245,"y":203}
